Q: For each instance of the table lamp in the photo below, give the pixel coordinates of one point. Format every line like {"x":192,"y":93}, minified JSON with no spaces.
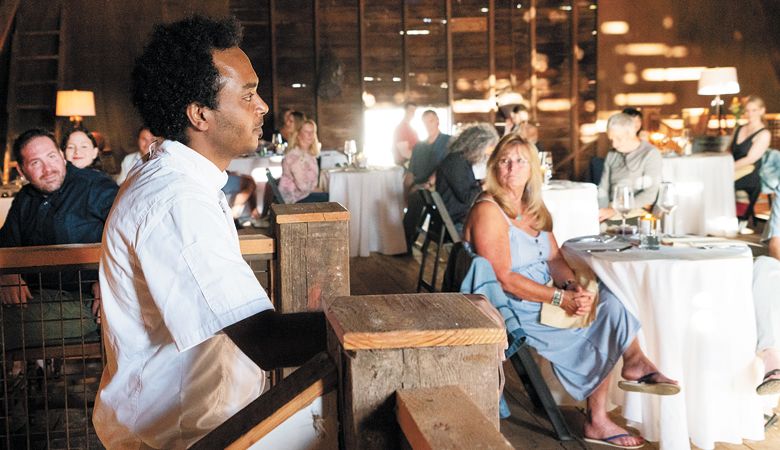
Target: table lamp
{"x":718,"y":81}
{"x":75,"y":105}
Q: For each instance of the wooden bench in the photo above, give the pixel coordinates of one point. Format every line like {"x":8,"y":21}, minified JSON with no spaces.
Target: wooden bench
{"x":445,"y":418}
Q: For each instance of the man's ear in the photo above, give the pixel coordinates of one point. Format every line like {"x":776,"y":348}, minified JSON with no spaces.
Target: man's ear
{"x":21,"y":172}
{"x":198,"y":116}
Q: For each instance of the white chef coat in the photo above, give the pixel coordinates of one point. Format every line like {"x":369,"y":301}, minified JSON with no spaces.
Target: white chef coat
{"x":172,"y":277}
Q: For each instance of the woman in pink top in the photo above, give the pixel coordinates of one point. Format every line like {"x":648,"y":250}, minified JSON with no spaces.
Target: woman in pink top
{"x":299,"y":166}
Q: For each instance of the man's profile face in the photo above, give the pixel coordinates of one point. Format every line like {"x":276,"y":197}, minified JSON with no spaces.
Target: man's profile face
{"x":43,"y":164}
{"x":240,"y":110}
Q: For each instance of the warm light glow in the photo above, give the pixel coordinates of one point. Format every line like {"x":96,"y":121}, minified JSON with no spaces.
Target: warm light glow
{"x":630,"y":78}
{"x":718,"y":81}
{"x":473,"y":106}
{"x":645,"y":99}
{"x":614,"y":27}
{"x":726,"y":123}
{"x":416,"y":32}
{"x":553,"y":104}
{"x":75,"y":103}
{"x":678,"y":51}
{"x":693,"y":112}
{"x":657,"y":136}
{"x":368,"y":99}
{"x":675,"y":124}
{"x":642,"y":49}
{"x":379,"y":124}
{"x":652,"y":49}
{"x":672,"y":73}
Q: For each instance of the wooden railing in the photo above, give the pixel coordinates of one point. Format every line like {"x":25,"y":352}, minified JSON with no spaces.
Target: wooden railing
{"x":304,"y":230}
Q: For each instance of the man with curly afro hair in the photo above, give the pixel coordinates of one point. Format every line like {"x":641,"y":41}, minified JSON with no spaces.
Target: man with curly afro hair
{"x":185,"y":321}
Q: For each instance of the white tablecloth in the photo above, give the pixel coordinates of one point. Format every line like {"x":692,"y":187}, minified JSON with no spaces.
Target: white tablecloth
{"x":705,"y":184}
{"x":698,"y":326}
{"x":374,"y":198}
{"x":255,"y":167}
{"x":574,"y":208}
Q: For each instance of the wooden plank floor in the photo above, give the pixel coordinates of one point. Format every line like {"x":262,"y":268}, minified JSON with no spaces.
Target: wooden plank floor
{"x":527,"y":428}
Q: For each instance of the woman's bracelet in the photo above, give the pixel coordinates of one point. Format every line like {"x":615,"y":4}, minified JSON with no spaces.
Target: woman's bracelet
{"x":557,"y":298}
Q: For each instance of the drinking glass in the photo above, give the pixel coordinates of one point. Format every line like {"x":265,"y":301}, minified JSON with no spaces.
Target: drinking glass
{"x":623,"y":203}
{"x":277,"y":142}
{"x":667,"y":203}
{"x":545,"y":158}
{"x":350,"y":149}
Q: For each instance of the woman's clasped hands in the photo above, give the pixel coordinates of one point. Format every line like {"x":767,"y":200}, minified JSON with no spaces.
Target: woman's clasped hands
{"x":577,"y":301}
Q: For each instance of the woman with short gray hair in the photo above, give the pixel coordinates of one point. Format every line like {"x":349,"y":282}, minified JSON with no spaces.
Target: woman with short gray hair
{"x":455,"y":180}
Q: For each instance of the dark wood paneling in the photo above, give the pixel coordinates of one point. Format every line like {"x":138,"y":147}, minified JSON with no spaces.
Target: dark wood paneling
{"x":339,"y":100}
{"x":473,"y":48}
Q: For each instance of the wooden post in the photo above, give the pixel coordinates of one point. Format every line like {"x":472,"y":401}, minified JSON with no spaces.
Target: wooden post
{"x":384,"y":343}
{"x":312,"y":254}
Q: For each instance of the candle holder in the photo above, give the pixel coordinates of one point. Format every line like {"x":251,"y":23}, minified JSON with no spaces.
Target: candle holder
{"x":648,"y":238}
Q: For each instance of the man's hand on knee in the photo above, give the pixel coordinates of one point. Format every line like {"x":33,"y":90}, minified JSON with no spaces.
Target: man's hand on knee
{"x":14,"y":290}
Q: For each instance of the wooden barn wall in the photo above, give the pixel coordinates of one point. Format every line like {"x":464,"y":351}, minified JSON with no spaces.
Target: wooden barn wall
{"x":332,"y":58}
{"x":102,"y":40}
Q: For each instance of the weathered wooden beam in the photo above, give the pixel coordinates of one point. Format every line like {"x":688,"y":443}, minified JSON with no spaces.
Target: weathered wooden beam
{"x":14,"y":258}
{"x":312,"y":254}
{"x":381,"y":344}
{"x":7,"y":14}
{"x":390,"y":325}
{"x":314,"y":379}
{"x":445,"y":417}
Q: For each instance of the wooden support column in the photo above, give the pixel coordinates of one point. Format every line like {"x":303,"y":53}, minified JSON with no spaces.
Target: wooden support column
{"x":384,"y":343}
{"x":312,"y":254}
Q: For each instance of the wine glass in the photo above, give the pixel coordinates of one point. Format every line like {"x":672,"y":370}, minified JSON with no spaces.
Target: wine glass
{"x":547,"y":162}
{"x":350,"y":149}
{"x":623,"y":202}
{"x":667,"y":203}
{"x":277,"y":142}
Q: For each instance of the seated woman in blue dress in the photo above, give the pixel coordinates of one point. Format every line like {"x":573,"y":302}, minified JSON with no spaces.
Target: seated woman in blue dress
{"x":510,"y":227}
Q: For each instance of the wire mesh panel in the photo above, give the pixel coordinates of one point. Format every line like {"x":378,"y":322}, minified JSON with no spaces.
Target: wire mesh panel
{"x":52,"y":358}
{"x":50,"y":343}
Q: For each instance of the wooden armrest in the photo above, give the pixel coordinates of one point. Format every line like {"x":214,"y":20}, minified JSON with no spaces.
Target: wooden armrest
{"x":445,"y":417}
{"x":314,"y":379}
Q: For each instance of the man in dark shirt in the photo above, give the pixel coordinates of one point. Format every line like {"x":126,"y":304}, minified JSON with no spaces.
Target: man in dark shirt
{"x":426,"y":157}
{"x":61,"y":205}
{"x":427,"y":154}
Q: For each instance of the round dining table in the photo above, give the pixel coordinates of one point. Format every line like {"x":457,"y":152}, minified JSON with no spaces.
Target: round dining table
{"x":695,"y":305}
{"x":574,"y":208}
{"x":705,"y":191}
{"x":375,"y":200}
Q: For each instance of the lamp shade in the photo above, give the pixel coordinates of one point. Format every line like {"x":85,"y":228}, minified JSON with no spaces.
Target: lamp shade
{"x":75,"y":103}
{"x":718,"y":81}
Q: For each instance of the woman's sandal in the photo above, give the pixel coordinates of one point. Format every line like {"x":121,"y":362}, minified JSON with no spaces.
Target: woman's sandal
{"x":646,"y":385}
{"x":608,"y":441}
{"x":770,"y":385}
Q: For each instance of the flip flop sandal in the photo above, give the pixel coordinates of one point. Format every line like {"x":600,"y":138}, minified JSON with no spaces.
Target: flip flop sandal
{"x":769,"y":386}
{"x":647,"y":386}
{"x":608,"y":441}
